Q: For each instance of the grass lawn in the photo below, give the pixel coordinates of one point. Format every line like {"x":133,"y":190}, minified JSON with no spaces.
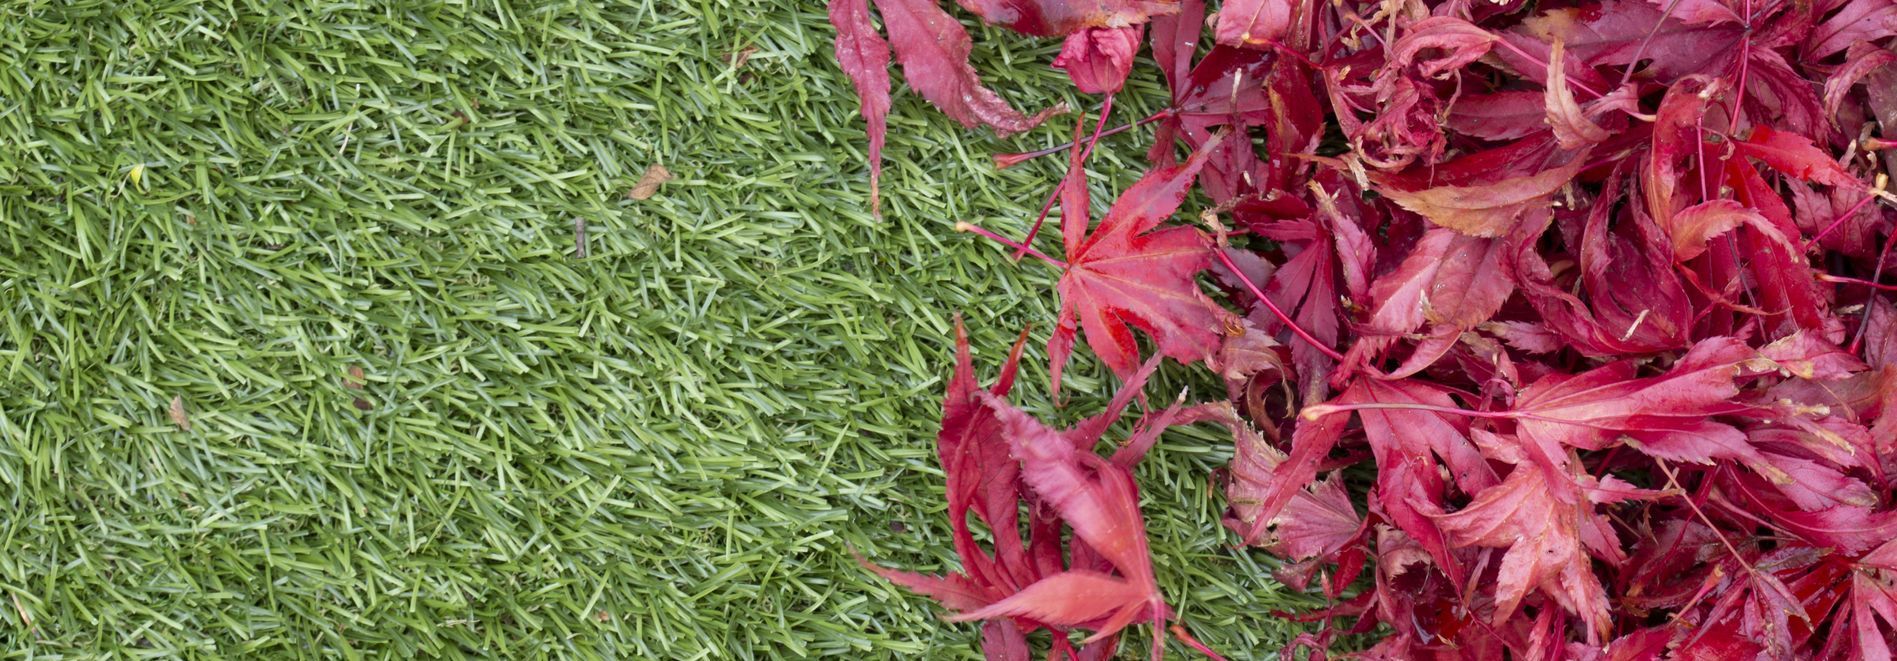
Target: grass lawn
{"x":664,"y":447}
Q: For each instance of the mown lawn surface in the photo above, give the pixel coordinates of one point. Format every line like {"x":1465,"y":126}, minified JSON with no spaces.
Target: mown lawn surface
{"x":665,"y":447}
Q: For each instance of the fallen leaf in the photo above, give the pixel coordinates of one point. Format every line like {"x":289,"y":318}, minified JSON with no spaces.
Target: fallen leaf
{"x":1795,"y":156}
{"x":1487,"y":209}
{"x":1125,"y":275}
{"x":1253,"y":22}
{"x":864,"y":56}
{"x":178,"y":415}
{"x":741,"y":57}
{"x":655,"y":176}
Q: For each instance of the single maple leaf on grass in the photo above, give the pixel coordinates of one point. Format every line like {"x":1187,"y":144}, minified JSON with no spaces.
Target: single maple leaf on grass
{"x":1124,"y":275}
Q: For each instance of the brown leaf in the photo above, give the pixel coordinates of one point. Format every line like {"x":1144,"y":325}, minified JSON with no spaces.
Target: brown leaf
{"x":354,"y":380}
{"x":649,"y":183}
{"x":178,"y":416}
{"x":739,"y":58}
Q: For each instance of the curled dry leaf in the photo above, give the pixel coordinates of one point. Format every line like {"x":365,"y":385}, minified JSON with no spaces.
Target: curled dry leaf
{"x":178,"y":415}
{"x":655,"y":176}
{"x":1098,"y":59}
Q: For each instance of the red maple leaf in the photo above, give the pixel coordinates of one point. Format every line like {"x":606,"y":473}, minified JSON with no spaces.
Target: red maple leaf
{"x":1125,"y":275}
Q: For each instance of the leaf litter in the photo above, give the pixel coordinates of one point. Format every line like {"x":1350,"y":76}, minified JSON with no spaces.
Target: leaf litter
{"x":1594,"y":291}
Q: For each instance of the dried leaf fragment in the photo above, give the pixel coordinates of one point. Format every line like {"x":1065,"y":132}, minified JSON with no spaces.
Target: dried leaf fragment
{"x":178,"y":415}
{"x":655,"y":176}
{"x":741,"y":56}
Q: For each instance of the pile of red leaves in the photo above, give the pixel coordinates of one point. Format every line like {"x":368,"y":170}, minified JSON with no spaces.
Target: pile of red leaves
{"x":1586,"y":297}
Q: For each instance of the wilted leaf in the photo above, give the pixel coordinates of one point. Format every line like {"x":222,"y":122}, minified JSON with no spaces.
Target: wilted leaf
{"x":655,"y":176}
{"x":178,"y":415}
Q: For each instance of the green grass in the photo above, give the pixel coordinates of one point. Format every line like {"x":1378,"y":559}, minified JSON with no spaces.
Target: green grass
{"x":665,"y":448}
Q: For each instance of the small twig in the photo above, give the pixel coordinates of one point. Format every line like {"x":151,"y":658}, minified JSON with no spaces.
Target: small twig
{"x":579,"y":237}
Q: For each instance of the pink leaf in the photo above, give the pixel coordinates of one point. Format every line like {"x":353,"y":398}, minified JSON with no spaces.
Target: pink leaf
{"x":1499,"y":116}
{"x":933,"y":50}
{"x":1486,"y":209}
{"x":1067,"y":599}
{"x":1572,"y":128}
{"x":1863,"y":59}
{"x":1098,"y":59}
{"x":1542,"y":538}
{"x":1253,"y":22}
{"x":1124,"y":275}
{"x":1462,"y":41}
{"x":1795,"y":156}
{"x":956,"y":592}
{"x":1053,"y":18}
{"x":1859,"y":21}
{"x":1699,"y":12}
{"x":1317,"y":523}
{"x":1691,"y":228}
{"x":864,"y":57}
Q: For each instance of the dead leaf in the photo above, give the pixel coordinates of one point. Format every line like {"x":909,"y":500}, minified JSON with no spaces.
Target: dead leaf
{"x":178,"y":416}
{"x":649,"y":183}
{"x":740,"y":57}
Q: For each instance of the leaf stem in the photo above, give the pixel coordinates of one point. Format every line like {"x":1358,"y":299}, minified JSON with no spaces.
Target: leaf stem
{"x":1739,"y":92}
{"x":1839,"y":221}
{"x":1848,"y":280}
{"x":1316,"y":411}
{"x":1876,"y":274}
{"x":1286,"y":51}
{"x":1219,"y":251}
{"x":1673,"y":479}
{"x":1512,"y":48}
{"x":1106,"y":108}
{"x":1005,"y":161}
{"x":1628,"y":73}
{"x":997,"y":238}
